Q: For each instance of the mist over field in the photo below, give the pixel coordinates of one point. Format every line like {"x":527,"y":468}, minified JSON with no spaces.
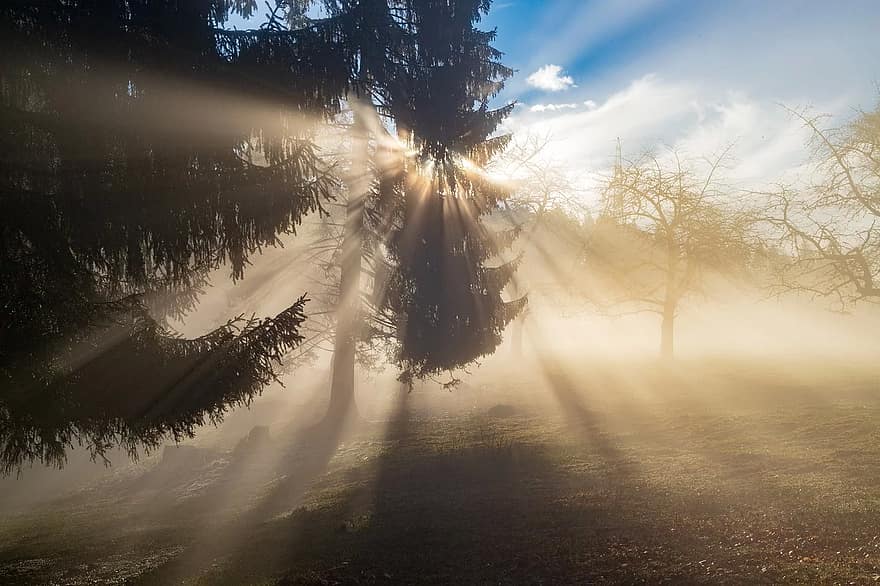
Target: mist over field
{"x":439,"y":292}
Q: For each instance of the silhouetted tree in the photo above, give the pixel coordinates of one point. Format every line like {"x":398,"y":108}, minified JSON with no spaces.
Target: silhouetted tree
{"x":142,"y":146}
{"x":406,"y":75}
{"x":443,"y":292}
{"x":148,"y":145}
{"x":375,"y":35}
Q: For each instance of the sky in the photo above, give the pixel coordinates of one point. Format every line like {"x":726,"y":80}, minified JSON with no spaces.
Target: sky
{"x":695,"y":76}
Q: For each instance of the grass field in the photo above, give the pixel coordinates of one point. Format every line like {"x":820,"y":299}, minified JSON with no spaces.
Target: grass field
{"x":550,"y":472}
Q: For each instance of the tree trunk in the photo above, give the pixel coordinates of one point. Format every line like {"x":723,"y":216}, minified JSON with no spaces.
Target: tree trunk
{"x":670,"y":301}
{"x":517,"y":339}
{"x":667,"y":332}
{"x":348,"y":318}
{"x":519,"y":324}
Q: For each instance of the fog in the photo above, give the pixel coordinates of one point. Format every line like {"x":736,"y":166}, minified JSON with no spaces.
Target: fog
{"x":305,"y":294}
{"x":740,"y":327}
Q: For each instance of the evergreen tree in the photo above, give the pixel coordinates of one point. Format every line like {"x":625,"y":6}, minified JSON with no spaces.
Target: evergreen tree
{"x":375,"y":36}
{"x":142,"y":146}
{"x":411,"y":57}
{"x":442,"y":296}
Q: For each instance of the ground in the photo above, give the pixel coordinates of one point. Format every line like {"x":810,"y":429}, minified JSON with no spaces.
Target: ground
{"x":553,"y":471}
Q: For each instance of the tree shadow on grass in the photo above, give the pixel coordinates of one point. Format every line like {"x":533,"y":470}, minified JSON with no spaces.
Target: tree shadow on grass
{"x":491,"y":509}
{"x":254,"y":488}
{"x":476,"y":500}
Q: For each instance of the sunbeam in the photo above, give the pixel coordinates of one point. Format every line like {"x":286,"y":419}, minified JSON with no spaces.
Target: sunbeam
{"x":439,"y":292}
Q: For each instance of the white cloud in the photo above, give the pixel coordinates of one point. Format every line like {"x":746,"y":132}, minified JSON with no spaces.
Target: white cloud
{"x":551,"y":107}
{"x":707,"y":92}
{"x":571,"y":29}
{"x":652,"y":113}
{"x":550,"y":78}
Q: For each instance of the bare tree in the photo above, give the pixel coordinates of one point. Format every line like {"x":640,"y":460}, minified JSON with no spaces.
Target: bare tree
{"x":540,"y":185}
{"x":542,"y":188}
{"x":666,"y":223}
{"x":830,"y":225}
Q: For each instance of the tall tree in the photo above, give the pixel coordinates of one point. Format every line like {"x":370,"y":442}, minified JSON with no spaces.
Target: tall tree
{"x":142,"y":146}
{"x":375,"y":36}
{"x":411,"y":55}
{"x":348,"y":307}
{"x":444,"y":293}
{"x":147,"y":145}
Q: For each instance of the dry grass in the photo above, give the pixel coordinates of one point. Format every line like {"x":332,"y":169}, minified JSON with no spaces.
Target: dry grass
{"x":707,"y":473}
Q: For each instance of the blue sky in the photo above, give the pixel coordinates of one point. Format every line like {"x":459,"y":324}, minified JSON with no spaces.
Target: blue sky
{"x":783,"y":43}
{"x":694,"y":75}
